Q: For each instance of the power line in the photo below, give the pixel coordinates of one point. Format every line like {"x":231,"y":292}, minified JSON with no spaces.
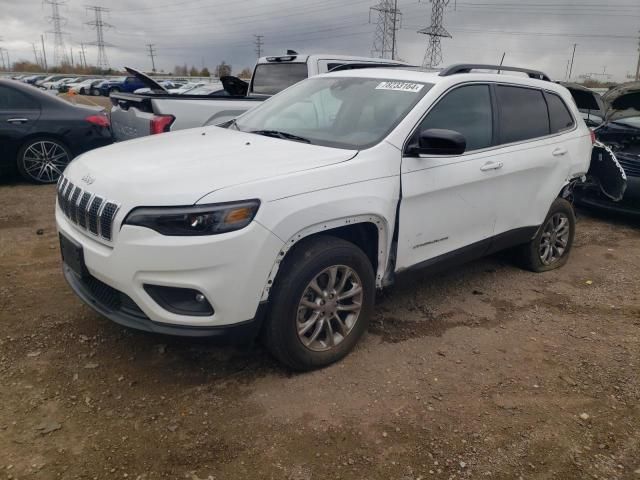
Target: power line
{"x":258,"y":43}
{"x":384,"y":37}
{"x":435,"y":32}
{"x":59,"y":51}
{"x":99,"y":25}
{"x":152,"y":54}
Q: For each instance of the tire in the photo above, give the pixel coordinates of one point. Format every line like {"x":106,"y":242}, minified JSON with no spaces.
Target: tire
{"x":552,"y":244}
{"x":43,"y":159}
{"x":95,"y":92}
{"x":112,"y":90}
{"x":81,"y":91}
{"x":315,"y":259}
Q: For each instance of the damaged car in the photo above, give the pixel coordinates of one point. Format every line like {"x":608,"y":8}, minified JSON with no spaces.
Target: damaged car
{"x":613,"y":181}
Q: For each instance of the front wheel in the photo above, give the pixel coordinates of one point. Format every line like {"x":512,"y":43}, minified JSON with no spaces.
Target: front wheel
{"x":42,"y":160}
{"x":322,"y":303}
{"x":550,"y":248}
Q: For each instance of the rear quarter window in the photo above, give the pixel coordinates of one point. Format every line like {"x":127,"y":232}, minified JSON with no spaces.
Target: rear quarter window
{"x":523,"y":114}
{"x":559,"y":115}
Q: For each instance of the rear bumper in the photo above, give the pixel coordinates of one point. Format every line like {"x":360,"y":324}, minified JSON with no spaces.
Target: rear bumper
{"x":120,"y":309}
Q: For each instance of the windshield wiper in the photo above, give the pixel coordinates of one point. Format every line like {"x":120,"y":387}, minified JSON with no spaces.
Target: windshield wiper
{"x":279,"y":134}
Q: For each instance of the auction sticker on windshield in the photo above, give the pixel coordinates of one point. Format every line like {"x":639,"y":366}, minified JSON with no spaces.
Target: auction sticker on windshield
{"x":400,"y":86}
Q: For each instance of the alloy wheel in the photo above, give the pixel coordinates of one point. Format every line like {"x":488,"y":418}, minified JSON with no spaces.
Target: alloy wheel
{"x":45,"y":160}
{"x":329,"y":308}
{"x":554,"y":239}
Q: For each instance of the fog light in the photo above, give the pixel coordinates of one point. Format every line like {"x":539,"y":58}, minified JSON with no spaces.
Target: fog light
{"x":182,"y":301}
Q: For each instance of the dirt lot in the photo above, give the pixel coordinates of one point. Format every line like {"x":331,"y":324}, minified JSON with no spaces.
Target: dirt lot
{"x":486,"y":372}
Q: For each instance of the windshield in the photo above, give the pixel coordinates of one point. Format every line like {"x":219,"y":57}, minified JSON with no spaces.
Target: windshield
{"x":342,"y":112}
{"x":271,"y":78}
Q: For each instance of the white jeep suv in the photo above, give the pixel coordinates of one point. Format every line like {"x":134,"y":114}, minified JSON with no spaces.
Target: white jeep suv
{"x":285,"y":222}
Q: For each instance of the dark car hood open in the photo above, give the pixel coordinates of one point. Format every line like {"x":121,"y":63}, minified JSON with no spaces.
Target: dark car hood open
{"x":234,"y":86}
{"x":149,"y":82}
{"x":620,"y":102}
{"x":623,"y":101}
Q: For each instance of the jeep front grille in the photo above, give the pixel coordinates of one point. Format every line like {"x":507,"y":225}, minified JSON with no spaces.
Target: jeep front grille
{"x":90,"y":212}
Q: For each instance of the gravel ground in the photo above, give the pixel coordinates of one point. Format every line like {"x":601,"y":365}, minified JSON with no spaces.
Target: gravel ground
{"x":485,"y":372}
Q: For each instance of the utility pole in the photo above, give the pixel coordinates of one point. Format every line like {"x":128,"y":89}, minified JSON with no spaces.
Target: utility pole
{"x":99,"y":25}
{"x":44,"y":54}
{"x":35,"y":54}
{"x":572,"y":57}
{"x":152,"y":54}
{"x":387,"y":24}
{"x":638,"y":67}
{"x":435,"y":32}
{"x":71,"y":55}
{"x":59,"y":51}
{"x":83,"y":55}
{"x":258,"y":43}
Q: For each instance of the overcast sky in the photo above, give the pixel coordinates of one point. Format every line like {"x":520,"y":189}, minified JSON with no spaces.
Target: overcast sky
{"x":533,"y":33}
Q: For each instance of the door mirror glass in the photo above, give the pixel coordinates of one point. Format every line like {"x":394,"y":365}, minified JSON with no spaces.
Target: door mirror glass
{"x":437,"y":141}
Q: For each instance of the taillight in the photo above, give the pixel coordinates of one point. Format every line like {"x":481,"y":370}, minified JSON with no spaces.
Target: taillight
{"x":99,"y":120}
{"x":593,"y":136}
{"x":161,"y":123}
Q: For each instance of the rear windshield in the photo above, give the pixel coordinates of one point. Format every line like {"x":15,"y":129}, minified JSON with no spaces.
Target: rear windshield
{"x":271,"y":78}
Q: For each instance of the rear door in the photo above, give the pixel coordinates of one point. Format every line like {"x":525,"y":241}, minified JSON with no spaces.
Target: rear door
{"x":448,"y":202}
{"x":535,"y":155}
{"x":19,"y":113}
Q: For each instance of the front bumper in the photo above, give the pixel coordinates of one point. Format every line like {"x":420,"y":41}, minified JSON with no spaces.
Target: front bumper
{"x":120,"y":309}
{"x":230,"y":270}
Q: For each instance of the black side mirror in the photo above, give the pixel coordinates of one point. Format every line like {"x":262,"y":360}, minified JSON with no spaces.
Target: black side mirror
{"x":436,"y":141}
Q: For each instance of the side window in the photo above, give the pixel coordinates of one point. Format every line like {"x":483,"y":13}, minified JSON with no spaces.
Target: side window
{"x":523,"y":114}
{"x":559,"y":114}
{"x":467,"y":110}
{"x":11,"y":99}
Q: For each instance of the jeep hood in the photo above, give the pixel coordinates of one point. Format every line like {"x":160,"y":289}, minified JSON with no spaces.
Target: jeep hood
{"x":181,"y":167}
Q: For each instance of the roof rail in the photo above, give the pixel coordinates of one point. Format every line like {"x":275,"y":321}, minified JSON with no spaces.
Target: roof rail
{"x":467,"y":67}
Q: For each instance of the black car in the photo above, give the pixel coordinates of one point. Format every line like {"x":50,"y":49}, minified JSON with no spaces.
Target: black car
{"x":40,"y":133}
{"x":615,"y":119}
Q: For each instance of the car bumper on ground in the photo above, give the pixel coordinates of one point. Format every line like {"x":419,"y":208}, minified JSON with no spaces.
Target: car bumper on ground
{"x":229,"y":270}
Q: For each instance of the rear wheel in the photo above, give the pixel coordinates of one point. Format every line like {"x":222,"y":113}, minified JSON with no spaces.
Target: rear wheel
{"x":82,"y":92}
{"x":322,"y":303}
{"x":114,"y":90}
{"x":95,"y":92}
{"x":43,"y":159}
{"x":551,"y":246}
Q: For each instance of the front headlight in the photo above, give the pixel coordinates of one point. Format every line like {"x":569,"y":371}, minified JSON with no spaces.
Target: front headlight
{"x":195,"y":220}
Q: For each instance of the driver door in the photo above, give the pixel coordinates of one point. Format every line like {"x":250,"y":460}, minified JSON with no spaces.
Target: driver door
{"x":448,"y":206}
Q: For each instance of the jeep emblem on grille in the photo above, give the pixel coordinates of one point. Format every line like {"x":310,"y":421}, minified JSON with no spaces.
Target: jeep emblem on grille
{"x":88,"y":179}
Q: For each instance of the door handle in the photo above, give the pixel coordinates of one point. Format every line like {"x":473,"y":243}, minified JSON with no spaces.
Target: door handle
{"x":558,"y":152}
{"x":17,"y":120}
{"x":491,"y":166}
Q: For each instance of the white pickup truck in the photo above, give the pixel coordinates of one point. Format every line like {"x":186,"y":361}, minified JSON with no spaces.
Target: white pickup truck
{"x":138,"y":115}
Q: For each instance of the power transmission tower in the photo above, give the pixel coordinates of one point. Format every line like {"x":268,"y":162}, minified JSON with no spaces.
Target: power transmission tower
{"x":387,"y":25}
{"x":435,"y":32}
{"x":259,"y":43}
{"x":99,"y":25}
{"x":59,"y":51}
{"x":152,"y":54}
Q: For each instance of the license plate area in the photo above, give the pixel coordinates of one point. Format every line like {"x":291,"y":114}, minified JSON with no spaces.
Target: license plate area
{"x":73,"y":256}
